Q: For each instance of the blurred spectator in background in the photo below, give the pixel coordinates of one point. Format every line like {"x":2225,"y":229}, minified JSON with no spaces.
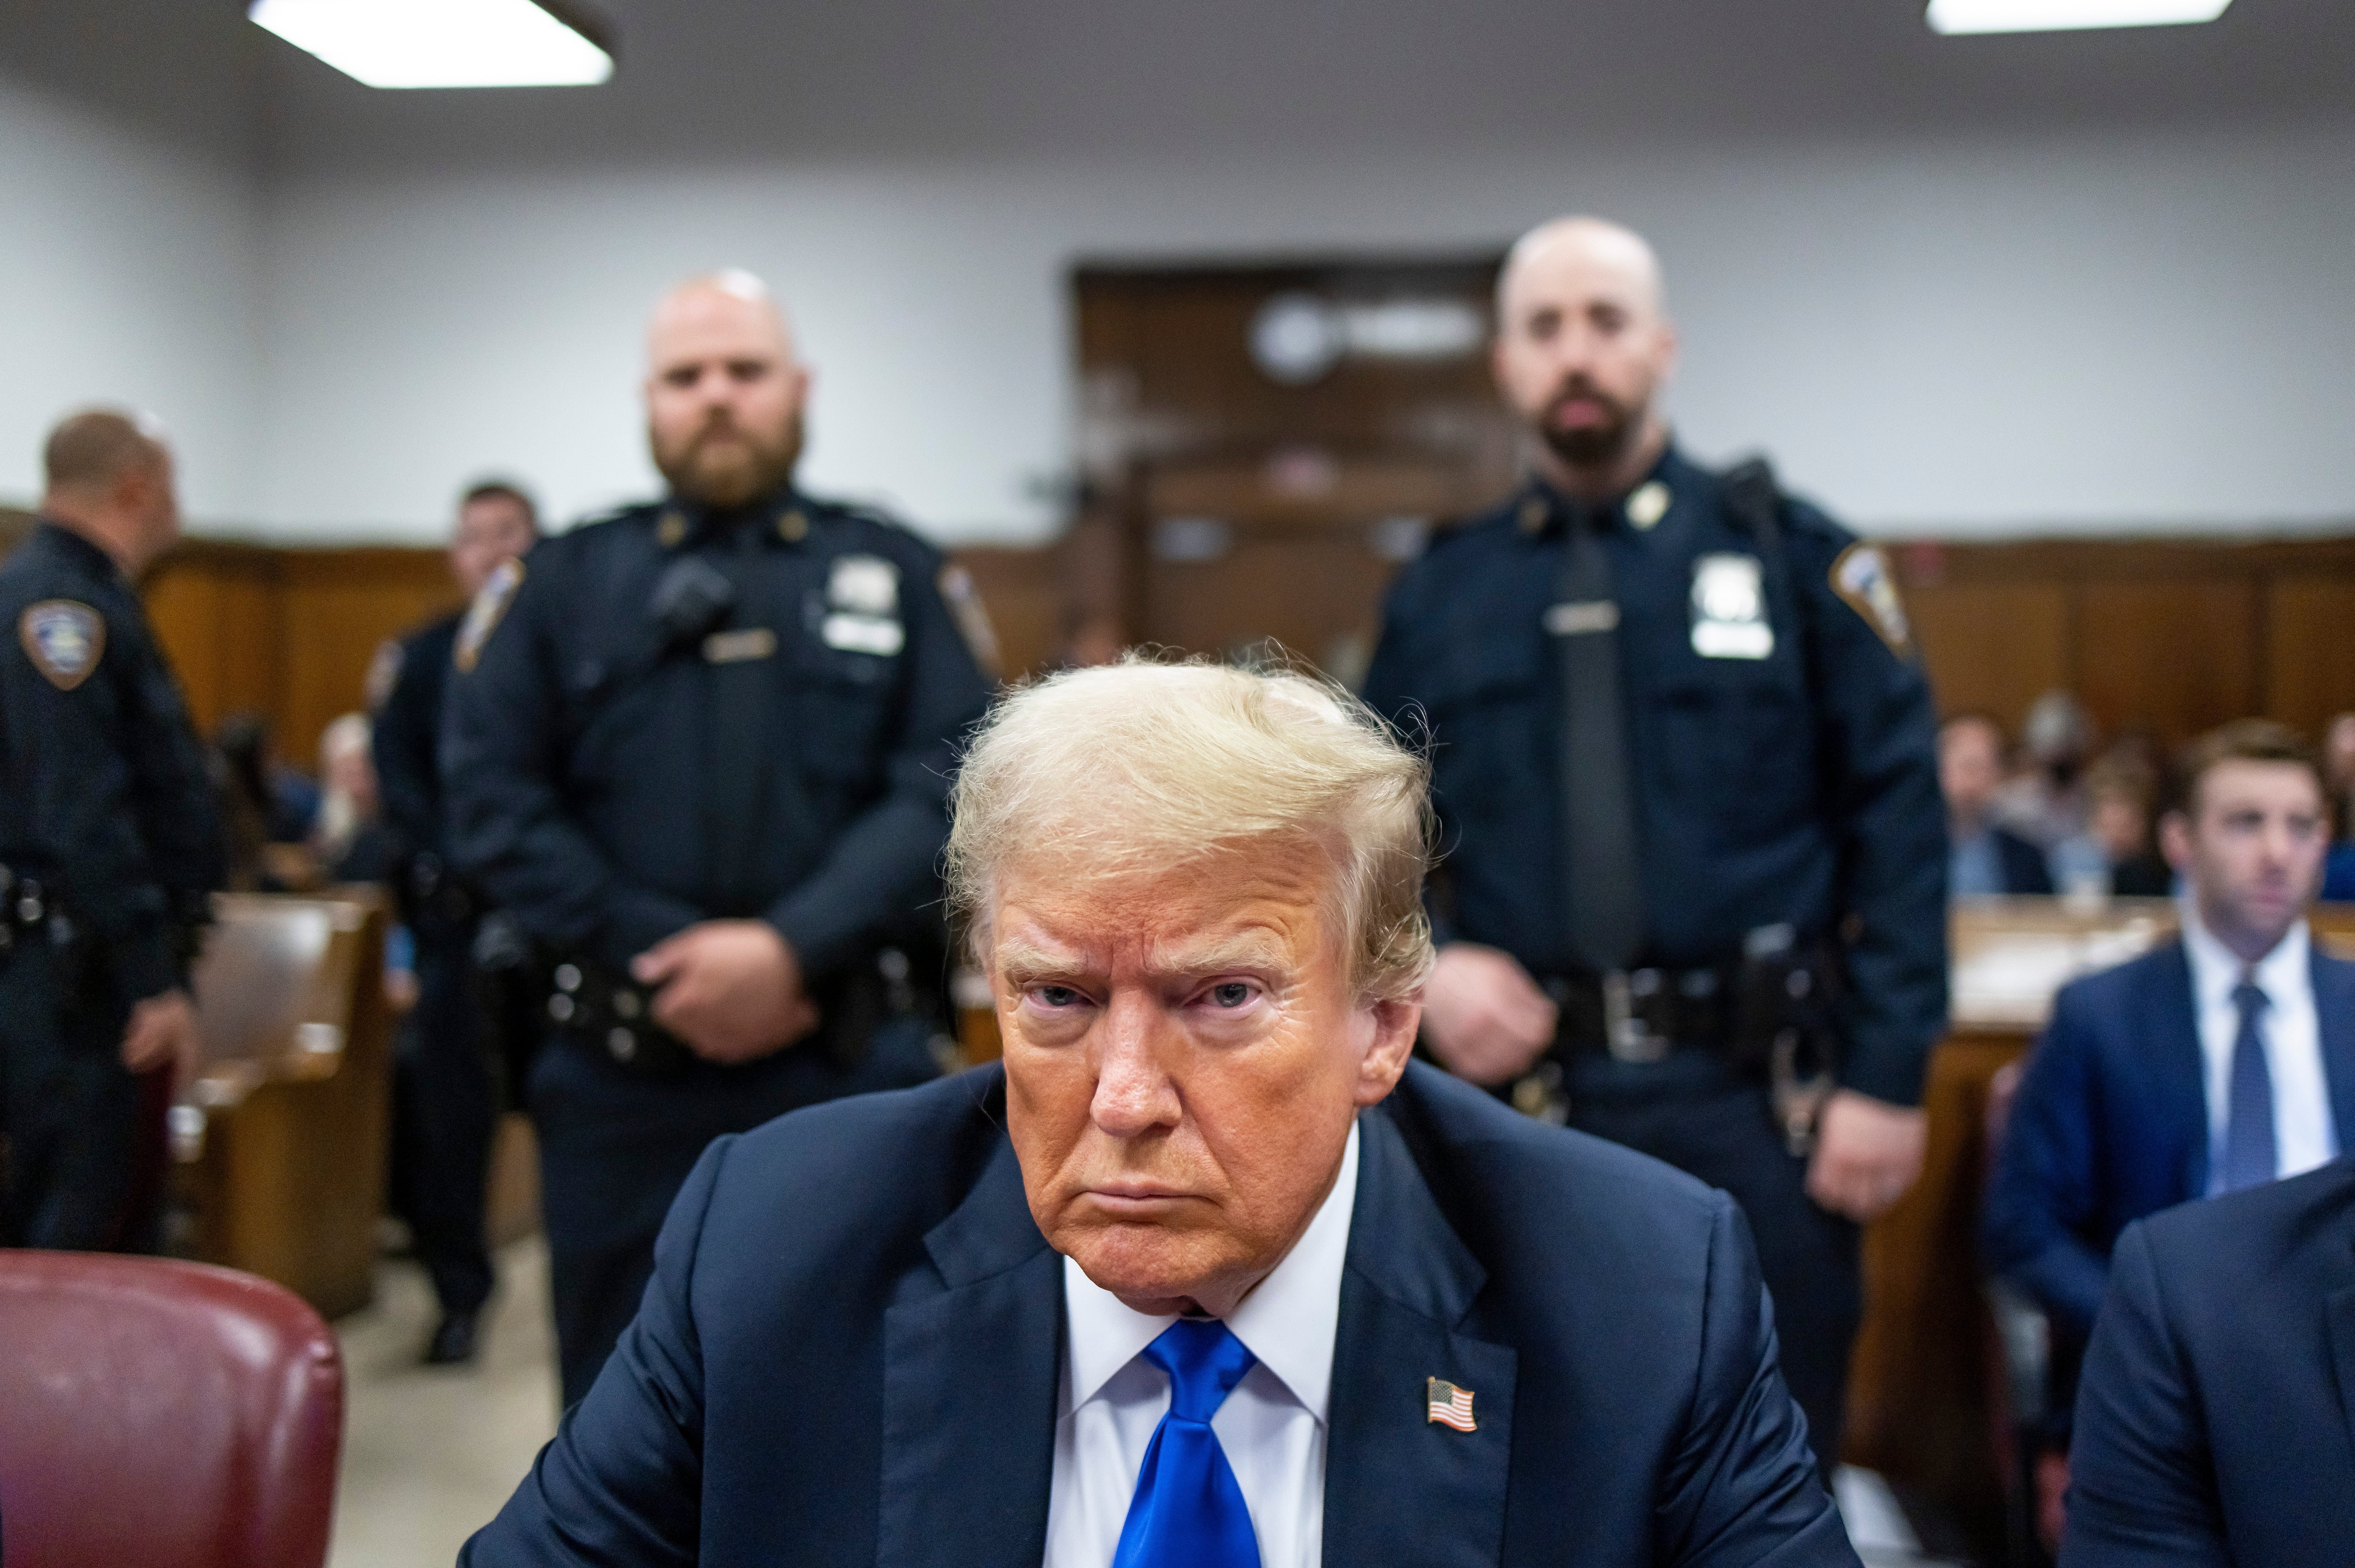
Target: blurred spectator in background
{"x":2338,"y":775}
{"x":2122,"y":797}
{"x":1987,"y":859}
{"x":263,"y":805}
{"x":349,"y":835}
{"x":2045,"y":803}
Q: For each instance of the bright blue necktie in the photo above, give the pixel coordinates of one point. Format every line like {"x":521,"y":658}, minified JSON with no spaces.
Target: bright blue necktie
{"x":2249,"y":1159}
{"x":1187,"y":1512}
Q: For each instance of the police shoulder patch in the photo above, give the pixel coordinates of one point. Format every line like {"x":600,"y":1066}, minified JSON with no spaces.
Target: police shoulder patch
{"x":483,"y":616}
{"x":1862,"y":577}
{"x":972,"y":618}
{"x":64,"y":638}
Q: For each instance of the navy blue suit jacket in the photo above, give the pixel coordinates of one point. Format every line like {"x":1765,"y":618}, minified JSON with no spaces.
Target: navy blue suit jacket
{"x":2216,"y":1420}
{"x":2111,"y":1123}
{"x":851,"y":1350}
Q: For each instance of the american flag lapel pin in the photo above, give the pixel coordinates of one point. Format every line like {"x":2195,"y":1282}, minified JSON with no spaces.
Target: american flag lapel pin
{"x":1448,"y":1405}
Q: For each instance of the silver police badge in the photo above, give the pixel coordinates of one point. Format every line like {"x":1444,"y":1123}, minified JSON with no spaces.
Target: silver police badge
{"x":1729,"y":608}
{"x":64,"y":639}
{"x":862,"y":601}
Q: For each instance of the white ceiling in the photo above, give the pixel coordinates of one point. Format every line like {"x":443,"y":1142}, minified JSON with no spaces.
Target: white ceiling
{"x":949,"y":80}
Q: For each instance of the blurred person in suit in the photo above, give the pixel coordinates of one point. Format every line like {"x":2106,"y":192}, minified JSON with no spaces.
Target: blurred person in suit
{"x":1206,"y":1272}
{"x":2216,"y":1421}
{"x":2221,"y":1060}
{"x":446,"y":1099}
{"x":1986,"y":858}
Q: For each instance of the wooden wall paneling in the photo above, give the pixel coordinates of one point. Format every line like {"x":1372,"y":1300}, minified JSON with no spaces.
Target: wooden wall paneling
{"x":1993,"y":647}
{"x":2309,"y":649}
{"x":340,"y":606}
{"x":1022,"y":591}
{"x":2173,"y":657}
{"x":216,"y":610}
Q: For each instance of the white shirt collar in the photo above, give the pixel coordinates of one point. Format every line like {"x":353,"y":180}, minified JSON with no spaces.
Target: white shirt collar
{"x":2216,"y":969}
{"x":1288,"y":1321}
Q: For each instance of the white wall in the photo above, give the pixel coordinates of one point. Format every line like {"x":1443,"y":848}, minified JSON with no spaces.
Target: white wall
{"x":126,"y":275}
{"x":2084,"y":331}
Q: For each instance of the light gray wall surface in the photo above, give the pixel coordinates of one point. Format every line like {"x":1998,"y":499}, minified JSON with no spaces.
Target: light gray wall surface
{"x":128,"y":266}
{"x":2079,"y":282}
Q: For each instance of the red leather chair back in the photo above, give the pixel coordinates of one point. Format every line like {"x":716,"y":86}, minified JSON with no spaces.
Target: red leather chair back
{"x":169,"y":1414}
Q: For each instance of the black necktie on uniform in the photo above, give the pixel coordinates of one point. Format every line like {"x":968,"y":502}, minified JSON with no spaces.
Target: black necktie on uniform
{"x":1603,"y":898}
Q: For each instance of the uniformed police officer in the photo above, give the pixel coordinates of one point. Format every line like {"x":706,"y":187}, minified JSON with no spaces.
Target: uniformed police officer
{"x":700,"y":750}
{"x":447,"y":1103}
{"x":108,"y":849}
{"x":1693,"y":893}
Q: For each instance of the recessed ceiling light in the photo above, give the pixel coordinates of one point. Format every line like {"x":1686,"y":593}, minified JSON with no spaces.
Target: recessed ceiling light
{"x":442,"y":43}
{"x":2058,"y":15}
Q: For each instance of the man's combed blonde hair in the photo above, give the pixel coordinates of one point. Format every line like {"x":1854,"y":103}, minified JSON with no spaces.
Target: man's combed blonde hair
{"x":1147,"y":765}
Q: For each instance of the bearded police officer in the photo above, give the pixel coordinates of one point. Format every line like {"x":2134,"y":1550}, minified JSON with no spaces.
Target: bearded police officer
{"x":109,"y":847}
{"x":445,"y":1101}
{"x":1694,"y":892}
{"x":701,"y":750}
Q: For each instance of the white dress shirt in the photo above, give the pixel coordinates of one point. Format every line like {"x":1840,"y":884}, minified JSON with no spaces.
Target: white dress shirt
{"x":1271,"y":1427}
{"x":2304,"y":1137}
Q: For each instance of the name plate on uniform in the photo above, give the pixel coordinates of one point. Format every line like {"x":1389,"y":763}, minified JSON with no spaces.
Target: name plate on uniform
{"x":1587,"y":615}
{"x":863,"y":634}
{"x":740,"y":647}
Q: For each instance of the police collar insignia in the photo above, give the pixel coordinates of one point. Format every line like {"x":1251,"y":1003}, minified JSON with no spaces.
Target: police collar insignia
{"x":1729,"y":608}
{"x":1862,"y":578}
{"x":484,"y":614}
{"x":64,"y":639}
{"x":1648,"y":505}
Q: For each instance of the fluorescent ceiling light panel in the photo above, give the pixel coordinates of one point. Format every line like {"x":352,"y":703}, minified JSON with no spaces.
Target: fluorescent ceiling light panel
{"x":439,"y":43}
{"x":2059,"y":16}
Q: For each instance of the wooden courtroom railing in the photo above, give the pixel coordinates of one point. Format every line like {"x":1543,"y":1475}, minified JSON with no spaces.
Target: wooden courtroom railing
{"x":280,"y":1138}
{"x":1918,"y":1397}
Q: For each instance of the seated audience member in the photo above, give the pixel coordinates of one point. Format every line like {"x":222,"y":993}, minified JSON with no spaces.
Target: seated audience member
{"x":2044,"y":802}
{"x":2339,"y":772}
{"x":1987,"y":858}
{"x":2222,"y":1059}
{"x":1206,"y":1272}
{"x":2216,"y":1421}
{"x":2119,"y":795}
{"x":349,"y":835}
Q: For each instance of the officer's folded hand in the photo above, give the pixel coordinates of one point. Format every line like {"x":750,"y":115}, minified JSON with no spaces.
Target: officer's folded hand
{"x":1868,"y":1154}
{"x":162,"y":1032}
{"x":1482,"y":1015}
{"x":732,"y":989}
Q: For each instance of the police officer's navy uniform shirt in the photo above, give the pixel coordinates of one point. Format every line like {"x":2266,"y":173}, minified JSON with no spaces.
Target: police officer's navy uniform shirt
{"x":1799,"y":786}
{"x":104,"y":793}
{"x":580,"y":759}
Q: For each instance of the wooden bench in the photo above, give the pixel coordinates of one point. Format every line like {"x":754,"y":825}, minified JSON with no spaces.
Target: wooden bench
{"x":279,"y":1140}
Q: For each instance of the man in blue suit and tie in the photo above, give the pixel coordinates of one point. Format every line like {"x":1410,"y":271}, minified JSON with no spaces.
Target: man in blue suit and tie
{"x":1207,"y":1274}
{"x":2223,"y":1060}
{"x":2216,"y":1424}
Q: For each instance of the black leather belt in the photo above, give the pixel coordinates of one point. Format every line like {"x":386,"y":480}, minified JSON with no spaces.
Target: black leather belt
{"x":612,"y":1016}
{"x":1640,"y":1014}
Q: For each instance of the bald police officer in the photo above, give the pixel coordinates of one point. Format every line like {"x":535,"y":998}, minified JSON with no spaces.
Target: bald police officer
{"x":109,"y":847}
{"x":1693,"y":898}
{"x":701,"y":750}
